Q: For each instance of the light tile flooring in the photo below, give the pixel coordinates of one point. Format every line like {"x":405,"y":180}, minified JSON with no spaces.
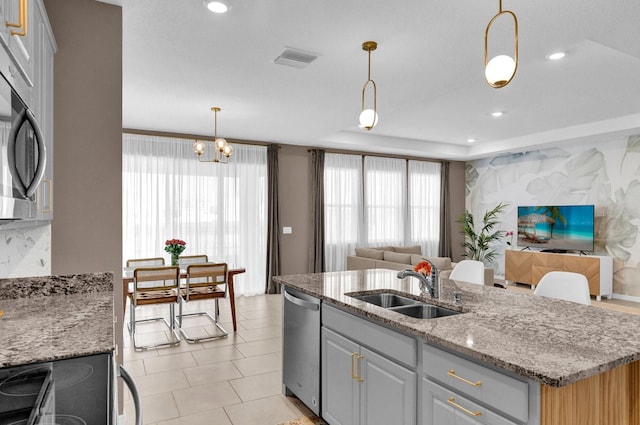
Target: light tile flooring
{"x":231,"y":381}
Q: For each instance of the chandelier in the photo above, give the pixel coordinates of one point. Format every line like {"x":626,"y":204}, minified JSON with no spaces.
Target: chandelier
{"x":222,"y":150}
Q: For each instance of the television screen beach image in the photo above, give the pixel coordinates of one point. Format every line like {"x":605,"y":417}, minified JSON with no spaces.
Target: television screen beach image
{"x":556,"y":228}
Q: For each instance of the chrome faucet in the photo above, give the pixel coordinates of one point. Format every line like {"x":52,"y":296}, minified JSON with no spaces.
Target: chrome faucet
{"x":426,"y":283}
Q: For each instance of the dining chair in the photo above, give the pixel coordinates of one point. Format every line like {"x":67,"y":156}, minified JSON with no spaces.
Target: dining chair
{"x":471,"y":271}
{"x":145,"y":262}
{"x":204,"y":282}
{"x":568,"y":286}
{"x":154,"y":286}
{"x":185,"y":260}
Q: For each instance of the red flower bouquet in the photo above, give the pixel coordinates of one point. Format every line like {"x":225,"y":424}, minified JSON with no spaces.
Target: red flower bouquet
{"x":175,"y":248}
{"x":423,"y":267}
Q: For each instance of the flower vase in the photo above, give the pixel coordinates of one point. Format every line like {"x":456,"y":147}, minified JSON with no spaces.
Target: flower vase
{"x":174,"y":258}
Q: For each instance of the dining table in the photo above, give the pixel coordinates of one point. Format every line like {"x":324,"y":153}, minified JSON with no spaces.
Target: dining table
{"x":128,"y":278}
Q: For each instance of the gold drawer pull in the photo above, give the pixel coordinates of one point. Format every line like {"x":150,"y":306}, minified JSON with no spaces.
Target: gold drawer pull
{"x":452,"y":401}
{"x":23,"y":18}
{"x":359,"y":378}
{"x":452,"y":373}
{"x":353,"y":373}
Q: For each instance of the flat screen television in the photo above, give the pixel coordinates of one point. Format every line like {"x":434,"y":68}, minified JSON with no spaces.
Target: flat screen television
{"x":556,"y":228}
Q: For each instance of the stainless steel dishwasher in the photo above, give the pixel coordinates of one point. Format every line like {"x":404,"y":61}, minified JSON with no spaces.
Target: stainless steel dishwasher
{"x":301,"y":348}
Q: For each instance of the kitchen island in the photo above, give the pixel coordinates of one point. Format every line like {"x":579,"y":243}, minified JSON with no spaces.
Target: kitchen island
{"x":583,"y":359}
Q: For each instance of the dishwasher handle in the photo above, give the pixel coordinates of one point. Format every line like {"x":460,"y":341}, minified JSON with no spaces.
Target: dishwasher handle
{"x":300,"y":302}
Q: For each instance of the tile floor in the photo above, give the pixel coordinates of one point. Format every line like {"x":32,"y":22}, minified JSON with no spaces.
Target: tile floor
{"x":231,"y":381}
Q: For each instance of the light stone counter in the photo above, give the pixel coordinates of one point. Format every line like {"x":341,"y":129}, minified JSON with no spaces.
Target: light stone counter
{"x":551,"y":341}
{"x":55,"y":317}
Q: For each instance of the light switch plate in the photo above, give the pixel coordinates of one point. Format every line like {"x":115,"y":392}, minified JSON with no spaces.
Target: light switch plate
{"x":287,"y":230}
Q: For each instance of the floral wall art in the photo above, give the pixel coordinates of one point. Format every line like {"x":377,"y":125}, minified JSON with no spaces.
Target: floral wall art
{"x":605,"y":174}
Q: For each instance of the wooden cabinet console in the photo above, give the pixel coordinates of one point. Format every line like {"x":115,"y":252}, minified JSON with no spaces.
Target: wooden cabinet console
{"x":529,"y":267}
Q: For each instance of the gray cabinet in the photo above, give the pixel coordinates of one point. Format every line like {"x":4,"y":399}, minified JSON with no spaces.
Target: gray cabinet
{"x":459,"y":391}
{"x":359,"y":384}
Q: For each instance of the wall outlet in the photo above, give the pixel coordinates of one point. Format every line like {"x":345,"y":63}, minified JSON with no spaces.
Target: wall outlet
{"x":287,"y":230}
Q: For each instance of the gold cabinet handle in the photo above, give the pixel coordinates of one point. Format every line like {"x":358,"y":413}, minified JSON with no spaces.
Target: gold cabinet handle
{"x":23,"y":18}
{"x":48,"y":205}
{"x":452,"y":401}
{"x":359,"y":379}
{"x":353,"y":369}
{"x":452,"y":373}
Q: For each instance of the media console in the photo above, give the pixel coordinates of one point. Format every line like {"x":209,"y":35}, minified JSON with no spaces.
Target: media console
{"x":528,"y":267}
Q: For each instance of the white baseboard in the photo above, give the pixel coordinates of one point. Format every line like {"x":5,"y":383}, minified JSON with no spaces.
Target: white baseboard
{"x":625,"y":297}
{"x":122,"y":419}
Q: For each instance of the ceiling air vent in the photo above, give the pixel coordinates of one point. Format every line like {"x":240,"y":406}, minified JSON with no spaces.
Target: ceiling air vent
{"x":295,"y":58}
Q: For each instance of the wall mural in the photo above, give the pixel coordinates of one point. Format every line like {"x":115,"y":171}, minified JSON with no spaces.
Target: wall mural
{"x":605,"y":174}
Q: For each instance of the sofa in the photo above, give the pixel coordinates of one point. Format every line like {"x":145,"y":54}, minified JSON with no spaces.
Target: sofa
{"x":401,"y":258}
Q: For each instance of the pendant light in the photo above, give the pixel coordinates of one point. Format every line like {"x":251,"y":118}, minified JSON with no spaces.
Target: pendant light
{"x":369,"y":117}
{"x":222,"y":150}
{"x":500,"y":70}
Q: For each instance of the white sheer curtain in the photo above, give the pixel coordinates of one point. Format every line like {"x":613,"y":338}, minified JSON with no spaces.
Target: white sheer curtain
{"x":343,"y":208}
{"x":218,"y":209}
{"x":424,"y":205}
{"x":385,"y":182}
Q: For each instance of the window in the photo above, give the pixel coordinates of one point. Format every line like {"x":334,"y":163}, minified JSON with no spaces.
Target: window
{"x":218,"y":209}
{"x":379,"y":201}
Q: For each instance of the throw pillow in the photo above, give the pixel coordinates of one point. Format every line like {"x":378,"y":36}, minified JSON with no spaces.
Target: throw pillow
{"x":396,"y":257}
{"x":441,"y":263}
{"x":370,"y":253}
{"x":416,"y":249}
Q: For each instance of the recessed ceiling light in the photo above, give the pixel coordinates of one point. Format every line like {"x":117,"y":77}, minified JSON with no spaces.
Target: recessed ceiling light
{"x":556,"y":56}
{"x":497,"y":114}
{"x":471,"y":140}
{"x":217,"y":6}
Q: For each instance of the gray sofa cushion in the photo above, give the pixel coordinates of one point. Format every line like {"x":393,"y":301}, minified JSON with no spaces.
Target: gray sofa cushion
{"x":416,"y":249}
{"x":370,"y":253}
{"x":384,"y":248}
{"x":396,"y":257}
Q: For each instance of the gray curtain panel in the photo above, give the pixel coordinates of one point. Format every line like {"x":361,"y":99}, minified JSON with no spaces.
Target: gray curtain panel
{"x":317,"y":210}
{"x":273,"y":221}
{"x":445,"y":207}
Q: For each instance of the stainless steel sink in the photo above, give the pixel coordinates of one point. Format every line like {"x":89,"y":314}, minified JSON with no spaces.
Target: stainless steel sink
{"x":386,"y":300}
{"x":424,"y":311}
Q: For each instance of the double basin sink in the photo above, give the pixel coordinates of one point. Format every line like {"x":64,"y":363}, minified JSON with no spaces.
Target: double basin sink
{"x":406,"y":306}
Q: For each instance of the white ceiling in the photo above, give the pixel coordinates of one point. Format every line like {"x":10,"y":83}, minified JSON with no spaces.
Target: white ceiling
{"x":180,"y":60}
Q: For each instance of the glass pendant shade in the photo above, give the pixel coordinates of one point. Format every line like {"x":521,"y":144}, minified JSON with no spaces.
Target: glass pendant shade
{"x":499,"y":71}
{"x":220,"y":144}
{"x":228,"y":149}
{"x":368,"y":119}
{"x":199,"y":147}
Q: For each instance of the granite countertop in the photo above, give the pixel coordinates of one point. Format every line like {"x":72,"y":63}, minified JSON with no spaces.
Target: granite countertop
{"x":55,"y":317}
{"x":550,"y":341}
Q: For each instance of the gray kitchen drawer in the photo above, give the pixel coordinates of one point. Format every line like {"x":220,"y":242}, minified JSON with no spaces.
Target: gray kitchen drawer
{"x":497,"y":390}
{"x":445,"y":407}
{"x":392,"y":344}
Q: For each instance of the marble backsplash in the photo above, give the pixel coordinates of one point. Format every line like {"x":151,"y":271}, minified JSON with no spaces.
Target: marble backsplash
{"x":27,"y":287}
{"x":25,"y":251}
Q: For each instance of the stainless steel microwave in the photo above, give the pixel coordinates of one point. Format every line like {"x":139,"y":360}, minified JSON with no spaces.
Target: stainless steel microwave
{"x":22,"y":156}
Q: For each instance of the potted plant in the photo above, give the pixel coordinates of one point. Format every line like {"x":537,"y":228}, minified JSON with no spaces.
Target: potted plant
{"x":479,"y":245}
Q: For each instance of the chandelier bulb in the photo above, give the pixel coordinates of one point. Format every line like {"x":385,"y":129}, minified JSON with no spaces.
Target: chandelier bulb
{"x":198,"y":147}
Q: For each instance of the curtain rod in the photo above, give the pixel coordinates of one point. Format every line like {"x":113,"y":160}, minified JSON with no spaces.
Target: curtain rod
{"x":363,"y":154}
{"x":194,"y":137}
